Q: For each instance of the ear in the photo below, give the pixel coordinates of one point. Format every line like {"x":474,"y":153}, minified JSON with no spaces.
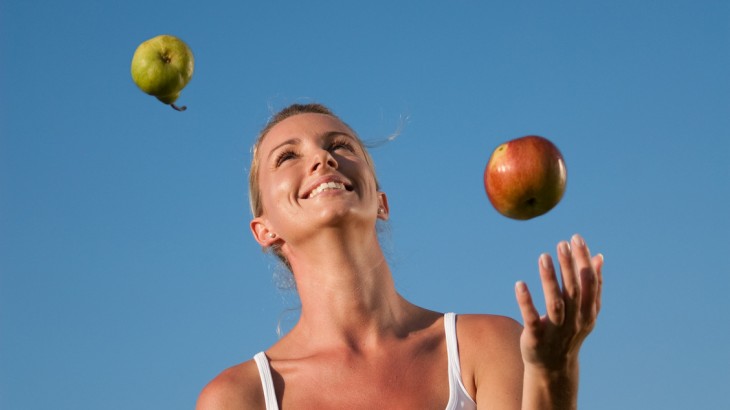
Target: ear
{"x":261,"y":232}
{"x":383,"y":204}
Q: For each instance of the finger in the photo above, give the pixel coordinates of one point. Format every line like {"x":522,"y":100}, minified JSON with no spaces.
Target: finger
{"x":571,"y":285}
{"x":530,"y":315}
{"x":551,"y":288}
{"x":598,"y":267}
{"x":588,"y":281}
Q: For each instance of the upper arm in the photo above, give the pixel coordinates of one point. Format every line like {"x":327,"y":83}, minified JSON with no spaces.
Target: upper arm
{"x":489,"y":347}
{"x":236,"y":388}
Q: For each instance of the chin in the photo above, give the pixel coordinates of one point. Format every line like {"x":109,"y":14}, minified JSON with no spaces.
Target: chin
{"x":334,"y":216}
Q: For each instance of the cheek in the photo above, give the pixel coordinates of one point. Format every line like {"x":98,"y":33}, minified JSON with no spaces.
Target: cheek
{"x":368,"y":174}
{"x":277,"y":192}
{"x":367,"y":178}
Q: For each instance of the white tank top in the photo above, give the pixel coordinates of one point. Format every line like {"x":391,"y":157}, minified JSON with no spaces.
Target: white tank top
{"x":459,"y":399}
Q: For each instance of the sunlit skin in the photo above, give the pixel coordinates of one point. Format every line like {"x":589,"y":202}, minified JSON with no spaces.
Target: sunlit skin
{"x":329,"y":240}
{"x":296,"y":156}
{"x":359,"y":344}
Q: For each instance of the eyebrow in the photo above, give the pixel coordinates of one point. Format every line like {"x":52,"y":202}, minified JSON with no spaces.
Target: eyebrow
{"x":295,"y":141}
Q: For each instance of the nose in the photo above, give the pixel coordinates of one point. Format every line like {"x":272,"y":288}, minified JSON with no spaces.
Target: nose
{"x":323,"y":159}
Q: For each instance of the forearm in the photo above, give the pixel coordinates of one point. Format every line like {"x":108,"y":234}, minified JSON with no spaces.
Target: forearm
{"x":550,"y":390}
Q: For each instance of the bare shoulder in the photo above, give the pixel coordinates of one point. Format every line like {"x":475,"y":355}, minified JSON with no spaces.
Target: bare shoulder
{"x":490,"y":357}
{"x":488,"y":330}
{"x":236,"y":388}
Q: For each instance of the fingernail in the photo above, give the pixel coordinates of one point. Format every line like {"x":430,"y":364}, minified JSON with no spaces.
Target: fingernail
{"x":578,"y":240}
{"x":565,"y":248}
{"x":545,"y":261}
{"x":520,"y":286}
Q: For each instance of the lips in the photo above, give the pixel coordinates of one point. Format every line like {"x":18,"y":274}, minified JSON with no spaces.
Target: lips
{"x":326,"y":184}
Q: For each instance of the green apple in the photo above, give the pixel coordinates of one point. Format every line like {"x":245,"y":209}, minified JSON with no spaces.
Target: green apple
{"x":525,"y":177}
{"x":162,"y":66}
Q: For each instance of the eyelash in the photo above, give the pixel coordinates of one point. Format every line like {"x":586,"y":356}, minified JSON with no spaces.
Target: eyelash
{"x":285,"y":155}
{"x":334,"y":145}
{"x":342,"y":143}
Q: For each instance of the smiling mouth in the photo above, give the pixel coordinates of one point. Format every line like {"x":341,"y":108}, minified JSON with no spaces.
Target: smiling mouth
{"x":327,"y":186}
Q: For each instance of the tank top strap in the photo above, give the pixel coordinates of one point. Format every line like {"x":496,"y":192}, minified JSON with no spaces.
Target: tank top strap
{"x":459,"y":398}
{"x":452,"y":347}
{"x":267,"y":382}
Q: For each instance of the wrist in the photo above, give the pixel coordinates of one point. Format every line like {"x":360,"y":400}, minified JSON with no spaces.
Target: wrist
{"x":554,"y":387}
{"x":568,"y":367}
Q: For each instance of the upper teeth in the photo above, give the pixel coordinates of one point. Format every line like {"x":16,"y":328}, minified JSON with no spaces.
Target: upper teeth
{"x":324,"y":186}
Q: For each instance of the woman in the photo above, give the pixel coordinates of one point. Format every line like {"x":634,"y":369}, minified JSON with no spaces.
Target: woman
{"x":358,"y":344}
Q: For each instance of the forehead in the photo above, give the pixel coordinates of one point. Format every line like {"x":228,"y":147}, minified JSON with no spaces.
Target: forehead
{"x":303,"y":126}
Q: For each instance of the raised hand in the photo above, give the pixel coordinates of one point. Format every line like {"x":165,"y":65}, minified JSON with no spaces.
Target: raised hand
{"x":550,"y":343}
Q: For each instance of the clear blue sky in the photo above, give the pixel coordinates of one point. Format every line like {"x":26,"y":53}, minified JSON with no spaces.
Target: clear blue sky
{"x":129,"y":278}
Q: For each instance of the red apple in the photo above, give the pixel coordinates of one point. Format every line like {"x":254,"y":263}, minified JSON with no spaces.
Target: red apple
{"x":525,"y":177}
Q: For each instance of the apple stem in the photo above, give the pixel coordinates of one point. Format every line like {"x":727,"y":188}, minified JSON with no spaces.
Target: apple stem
{"x":183,"y":108}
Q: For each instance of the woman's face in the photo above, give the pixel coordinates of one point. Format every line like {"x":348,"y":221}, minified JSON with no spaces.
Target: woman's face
{"x":313,"y":173}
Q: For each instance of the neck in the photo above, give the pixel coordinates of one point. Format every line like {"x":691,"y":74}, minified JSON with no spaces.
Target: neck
{"x":347,"y":291}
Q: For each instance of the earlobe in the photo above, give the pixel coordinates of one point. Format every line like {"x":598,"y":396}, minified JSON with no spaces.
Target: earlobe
{"x":383,"y":209}
{"x":261,"y":233}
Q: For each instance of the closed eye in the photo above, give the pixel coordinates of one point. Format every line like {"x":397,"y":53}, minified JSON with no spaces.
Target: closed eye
{"x":341,"y":144}
{"x":285,"y":155}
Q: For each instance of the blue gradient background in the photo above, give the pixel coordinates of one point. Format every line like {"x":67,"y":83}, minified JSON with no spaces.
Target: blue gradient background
{"x":129,"y":278}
